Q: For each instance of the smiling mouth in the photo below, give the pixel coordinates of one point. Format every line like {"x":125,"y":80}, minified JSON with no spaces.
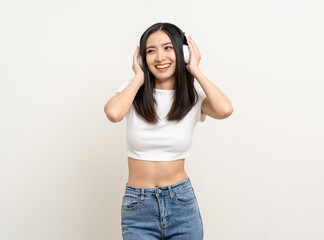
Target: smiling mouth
{"x":163,"y":66}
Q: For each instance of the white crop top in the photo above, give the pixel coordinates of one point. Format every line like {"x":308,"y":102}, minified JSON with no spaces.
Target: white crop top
{"x":166,"y":140}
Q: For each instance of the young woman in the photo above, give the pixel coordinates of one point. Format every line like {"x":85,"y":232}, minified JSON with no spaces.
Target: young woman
{"x":162,"y":105}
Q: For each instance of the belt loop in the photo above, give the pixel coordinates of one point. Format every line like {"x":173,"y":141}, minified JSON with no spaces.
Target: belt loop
{"x":171,"y":192}
{"x":142,"y":194}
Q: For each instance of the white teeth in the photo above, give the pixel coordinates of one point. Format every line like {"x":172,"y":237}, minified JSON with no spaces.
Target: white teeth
{"x":163,"y":66}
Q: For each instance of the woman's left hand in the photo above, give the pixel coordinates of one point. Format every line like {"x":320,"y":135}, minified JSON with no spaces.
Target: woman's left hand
{"x":195,"y":57}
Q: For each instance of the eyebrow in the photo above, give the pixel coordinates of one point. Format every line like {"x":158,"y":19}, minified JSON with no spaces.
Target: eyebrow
{"x":162,"y":45}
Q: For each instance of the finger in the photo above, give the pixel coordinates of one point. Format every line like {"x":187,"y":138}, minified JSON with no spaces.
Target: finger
{"x":192,"y":45}
{"x":192,"y":50}
{"x":193,"y":42}
{"x":137,"y":51}
{"x":136,"y":54}
{"x":195,"y":46}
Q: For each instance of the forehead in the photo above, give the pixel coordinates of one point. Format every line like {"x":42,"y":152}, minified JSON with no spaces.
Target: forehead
{"x":158,"y":38}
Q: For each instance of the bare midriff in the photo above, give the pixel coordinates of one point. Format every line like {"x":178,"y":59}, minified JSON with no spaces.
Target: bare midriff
{"x":152,"y":174}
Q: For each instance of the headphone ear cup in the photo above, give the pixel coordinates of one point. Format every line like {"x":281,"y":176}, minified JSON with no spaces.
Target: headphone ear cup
{"x":186,"y":53}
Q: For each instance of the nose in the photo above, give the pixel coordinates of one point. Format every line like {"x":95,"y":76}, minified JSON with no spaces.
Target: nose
{"x":160,"y":56}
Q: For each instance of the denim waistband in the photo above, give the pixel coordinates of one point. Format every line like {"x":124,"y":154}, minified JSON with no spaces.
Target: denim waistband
{"x":158,"y":190}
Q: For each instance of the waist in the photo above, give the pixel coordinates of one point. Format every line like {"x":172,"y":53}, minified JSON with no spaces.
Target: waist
{"x":147,"y":192}
{"x":151,"y":174}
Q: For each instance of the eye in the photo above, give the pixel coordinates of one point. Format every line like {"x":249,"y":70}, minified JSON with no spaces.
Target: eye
{"x":149,"y":51}
{"x":168,"y":47}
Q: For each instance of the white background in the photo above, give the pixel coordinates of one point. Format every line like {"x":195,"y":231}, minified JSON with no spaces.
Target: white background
{"x":258,"y":175}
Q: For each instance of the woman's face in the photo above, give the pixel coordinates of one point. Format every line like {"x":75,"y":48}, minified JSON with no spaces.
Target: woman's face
{"x":160,"y":56}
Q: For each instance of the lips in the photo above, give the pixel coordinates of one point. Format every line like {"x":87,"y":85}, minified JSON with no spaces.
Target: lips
{"x":163,"y":66}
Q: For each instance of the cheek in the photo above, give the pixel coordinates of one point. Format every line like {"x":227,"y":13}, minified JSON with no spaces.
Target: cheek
{"x":174,"y":64}
{"x":149,"y":61}
{"x":173,"y":56}
{"x":151,"y":67}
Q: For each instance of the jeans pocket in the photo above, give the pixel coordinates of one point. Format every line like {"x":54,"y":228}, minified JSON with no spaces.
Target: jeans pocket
{"x":130,"y":202}
{"x":185,"y":196}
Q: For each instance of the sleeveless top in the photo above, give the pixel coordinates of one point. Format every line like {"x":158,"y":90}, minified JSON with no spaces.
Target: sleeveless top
{"x":166,"y":140}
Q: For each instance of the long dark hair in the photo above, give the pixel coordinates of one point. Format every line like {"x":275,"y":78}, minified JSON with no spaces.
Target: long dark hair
{"x":185,"y":96}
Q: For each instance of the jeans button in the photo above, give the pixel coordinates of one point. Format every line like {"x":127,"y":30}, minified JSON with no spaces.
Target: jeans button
{"x":159,"y":191}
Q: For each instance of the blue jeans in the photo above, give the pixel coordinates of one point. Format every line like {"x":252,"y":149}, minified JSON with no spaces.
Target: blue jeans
{"x":161,"y":213}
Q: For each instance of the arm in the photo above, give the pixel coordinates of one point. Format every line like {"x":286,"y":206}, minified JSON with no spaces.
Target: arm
{"x":216,"y":104}
{"x":118,"y":106}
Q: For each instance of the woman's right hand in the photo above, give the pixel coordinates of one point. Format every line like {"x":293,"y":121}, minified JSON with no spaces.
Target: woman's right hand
{"x":136,"y":67}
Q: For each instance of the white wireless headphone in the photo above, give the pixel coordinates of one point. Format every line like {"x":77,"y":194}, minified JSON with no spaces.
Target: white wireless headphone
{"x":186,"y":54}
